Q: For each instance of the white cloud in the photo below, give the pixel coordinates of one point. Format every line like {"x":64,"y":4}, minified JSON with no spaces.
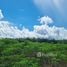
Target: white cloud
{"x":45,"y":20}
{"x":57,"y":5}
{"x":1,"y":15}
{"x":51,"y":32}
{"x":43,"y":4}
{"x":7,"y":30}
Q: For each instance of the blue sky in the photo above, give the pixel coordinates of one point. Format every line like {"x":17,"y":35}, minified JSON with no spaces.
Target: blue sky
{"x":33,"y":18}
{"x":20,"y":12}
{"x":26,"y":12}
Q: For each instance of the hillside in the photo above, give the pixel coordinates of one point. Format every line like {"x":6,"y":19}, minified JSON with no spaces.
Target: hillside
{"x":33,"y":53}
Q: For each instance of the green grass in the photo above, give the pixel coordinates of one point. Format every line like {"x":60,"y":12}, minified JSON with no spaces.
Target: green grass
{"x":25,"y":53}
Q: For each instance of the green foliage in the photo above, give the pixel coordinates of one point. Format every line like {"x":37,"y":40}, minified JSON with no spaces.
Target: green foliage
{"x":24,"y":52}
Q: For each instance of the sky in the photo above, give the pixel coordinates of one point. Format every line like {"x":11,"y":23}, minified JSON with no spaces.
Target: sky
{"x":36,"y":17}
{"x":20,"y":12}
{"x":26,"y":12}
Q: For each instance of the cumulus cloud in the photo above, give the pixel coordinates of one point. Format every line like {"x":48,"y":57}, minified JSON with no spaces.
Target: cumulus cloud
{"x":53,"y":32}
{"x":48,"y":32}
{"x":7,"y":30}
{"x":45,"y":20}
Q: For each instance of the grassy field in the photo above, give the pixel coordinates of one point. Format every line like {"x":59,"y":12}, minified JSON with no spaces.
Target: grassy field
{"x":29,"y":53}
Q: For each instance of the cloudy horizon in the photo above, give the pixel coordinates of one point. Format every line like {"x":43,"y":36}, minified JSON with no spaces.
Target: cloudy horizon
{"x":7,"y":30}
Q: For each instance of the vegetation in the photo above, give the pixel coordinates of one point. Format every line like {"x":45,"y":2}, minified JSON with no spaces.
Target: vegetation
{"x":33,"y":53}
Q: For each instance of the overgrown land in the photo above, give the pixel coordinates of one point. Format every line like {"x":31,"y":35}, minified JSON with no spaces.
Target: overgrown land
{"x":33,"y":53}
